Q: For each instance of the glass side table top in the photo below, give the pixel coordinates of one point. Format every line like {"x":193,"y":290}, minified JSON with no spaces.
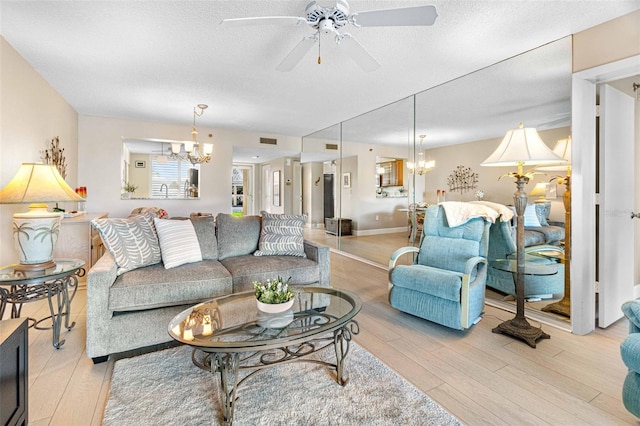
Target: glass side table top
{"x":530,"y":268}
{"x":9,"y":276}
{"x":234,"y":323}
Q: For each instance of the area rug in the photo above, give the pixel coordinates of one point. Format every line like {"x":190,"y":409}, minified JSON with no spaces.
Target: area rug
{"x":165,"y":388}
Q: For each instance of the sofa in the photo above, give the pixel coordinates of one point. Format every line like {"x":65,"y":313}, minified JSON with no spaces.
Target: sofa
{"x":540,"y":236}
{"x":630,"y":352}
{"x":155,"y":268}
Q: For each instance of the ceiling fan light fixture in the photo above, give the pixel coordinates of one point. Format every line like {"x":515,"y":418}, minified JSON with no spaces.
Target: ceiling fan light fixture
{"x":328,"y":20}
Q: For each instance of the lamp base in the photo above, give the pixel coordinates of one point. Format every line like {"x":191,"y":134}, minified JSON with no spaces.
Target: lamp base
{"x":521,"y":330}
{"x":34,"y":235}
{"x":562,"y":307}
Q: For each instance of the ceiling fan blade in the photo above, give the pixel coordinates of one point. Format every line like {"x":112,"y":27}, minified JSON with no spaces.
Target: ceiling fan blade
{"x":290,"y":21}
{"x":298,"y":53}
{"x":358,"y":53}
{"x":407,"y":16}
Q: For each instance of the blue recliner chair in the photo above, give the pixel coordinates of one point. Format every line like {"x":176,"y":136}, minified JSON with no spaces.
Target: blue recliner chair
{"x":446,"y":283}
{"x":630,"y":351}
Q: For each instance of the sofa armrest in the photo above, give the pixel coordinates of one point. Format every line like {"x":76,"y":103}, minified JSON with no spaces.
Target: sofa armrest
{"x":100,"y":278}
{"x":630,"y":352}
{"x":631,"y":310}
{"x":322,"y":256}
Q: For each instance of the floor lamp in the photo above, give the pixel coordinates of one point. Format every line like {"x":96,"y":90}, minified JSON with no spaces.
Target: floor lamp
{"x":521,"y":147}
{"x":563,"y":149}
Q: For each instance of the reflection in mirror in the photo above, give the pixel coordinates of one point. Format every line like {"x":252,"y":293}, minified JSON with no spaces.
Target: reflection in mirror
{"x":150,"y":171}
{"x":390,"y":177}
{"x":464,"y":121}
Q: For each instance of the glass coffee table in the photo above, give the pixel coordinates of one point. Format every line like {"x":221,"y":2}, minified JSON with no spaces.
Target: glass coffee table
{"x":230,"y":335}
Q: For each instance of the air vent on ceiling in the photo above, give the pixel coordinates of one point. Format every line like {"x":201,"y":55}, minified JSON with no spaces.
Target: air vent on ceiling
{"x":269,"y":141}
{"x":333,"y":146}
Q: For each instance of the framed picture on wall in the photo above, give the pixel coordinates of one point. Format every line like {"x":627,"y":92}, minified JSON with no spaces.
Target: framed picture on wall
{"x":346,"y":180}
{"x":276,"y":188}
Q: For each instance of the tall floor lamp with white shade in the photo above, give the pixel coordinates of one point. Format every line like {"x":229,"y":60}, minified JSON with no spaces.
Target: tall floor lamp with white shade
{"x":521,"y":147}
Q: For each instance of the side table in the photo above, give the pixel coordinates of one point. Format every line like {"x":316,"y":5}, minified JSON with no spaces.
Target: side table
{"x":57,"y":284}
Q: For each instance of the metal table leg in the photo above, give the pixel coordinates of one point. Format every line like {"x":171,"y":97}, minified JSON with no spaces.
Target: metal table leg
{"x":227,"y":364}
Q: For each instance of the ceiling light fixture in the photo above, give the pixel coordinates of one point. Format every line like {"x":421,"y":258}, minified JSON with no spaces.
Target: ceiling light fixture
{"x":194,"y":153}
{"x":421,"y":166}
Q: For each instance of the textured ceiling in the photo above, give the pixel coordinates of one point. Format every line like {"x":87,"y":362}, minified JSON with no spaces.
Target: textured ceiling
{"x":155,"y":60}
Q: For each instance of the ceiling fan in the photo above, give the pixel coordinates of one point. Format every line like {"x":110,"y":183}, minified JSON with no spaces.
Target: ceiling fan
{"x":328,"y":20}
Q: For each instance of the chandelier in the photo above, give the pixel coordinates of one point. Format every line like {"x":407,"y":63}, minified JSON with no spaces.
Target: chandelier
{"x":194,"y":152}
{"x":421,"y":166}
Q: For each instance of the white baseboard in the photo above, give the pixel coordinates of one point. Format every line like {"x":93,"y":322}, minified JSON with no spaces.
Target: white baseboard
{"x":366,"y":232}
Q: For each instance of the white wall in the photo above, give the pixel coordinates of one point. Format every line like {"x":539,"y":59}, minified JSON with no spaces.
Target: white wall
{"x":100,"y":146}
{"x":31,"y":114}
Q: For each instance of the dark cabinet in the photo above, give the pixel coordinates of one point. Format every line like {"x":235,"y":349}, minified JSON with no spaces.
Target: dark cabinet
{"x":333,"y":224}
{"x":13,"y":372}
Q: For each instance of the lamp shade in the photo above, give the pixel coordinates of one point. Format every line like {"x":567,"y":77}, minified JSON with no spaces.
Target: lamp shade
{"x":37,"y":183}
{"x":540,"y":190}
{"x":522,"y":146}
{"x":562,"y":149}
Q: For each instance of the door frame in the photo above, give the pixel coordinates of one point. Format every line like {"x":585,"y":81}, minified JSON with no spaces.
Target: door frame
{"x":583,"y":189}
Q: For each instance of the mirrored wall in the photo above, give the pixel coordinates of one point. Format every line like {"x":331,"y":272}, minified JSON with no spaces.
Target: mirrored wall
{"x":367,"y":171}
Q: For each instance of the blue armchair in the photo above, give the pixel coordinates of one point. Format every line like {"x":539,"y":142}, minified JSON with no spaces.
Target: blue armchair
{"x":446,"y":283}
{"x":630,"y":351}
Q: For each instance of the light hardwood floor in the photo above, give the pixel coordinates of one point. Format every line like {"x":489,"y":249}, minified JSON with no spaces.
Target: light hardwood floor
{"x":479,"y":376}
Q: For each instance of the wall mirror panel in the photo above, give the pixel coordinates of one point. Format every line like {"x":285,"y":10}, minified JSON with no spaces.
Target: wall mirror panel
{"x":462,"y":121}
{"x":149,"y":171}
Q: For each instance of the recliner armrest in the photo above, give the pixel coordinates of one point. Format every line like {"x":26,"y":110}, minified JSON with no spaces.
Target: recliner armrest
{"x":399,"y":252}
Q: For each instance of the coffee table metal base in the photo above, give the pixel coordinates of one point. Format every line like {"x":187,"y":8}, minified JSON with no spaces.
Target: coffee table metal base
{"x":229,"y":364}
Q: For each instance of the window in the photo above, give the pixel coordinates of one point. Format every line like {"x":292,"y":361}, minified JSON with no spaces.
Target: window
{"x":174,"y":174}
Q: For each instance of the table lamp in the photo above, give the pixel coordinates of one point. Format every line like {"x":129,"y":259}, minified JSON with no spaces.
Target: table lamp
{"x":521,"y":147}
{"x":35,"y":232}
{"x":540,"y":191}
{"x":563,"y":149}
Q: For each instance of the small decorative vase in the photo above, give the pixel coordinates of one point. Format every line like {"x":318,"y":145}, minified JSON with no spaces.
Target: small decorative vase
{"x":274,"y":308}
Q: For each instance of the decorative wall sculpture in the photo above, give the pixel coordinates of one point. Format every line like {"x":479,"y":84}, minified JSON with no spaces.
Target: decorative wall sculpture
{"x":462,"y":179}
{"x":55,"y":155}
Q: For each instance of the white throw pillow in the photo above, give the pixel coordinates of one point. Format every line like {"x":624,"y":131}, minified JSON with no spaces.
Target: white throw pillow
{"x":531,"y":218}
{"x":178,"y":242}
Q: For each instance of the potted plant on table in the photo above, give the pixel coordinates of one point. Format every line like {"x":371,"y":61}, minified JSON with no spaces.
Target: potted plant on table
{"x":129,"y":189}
{"x":273,"y":296}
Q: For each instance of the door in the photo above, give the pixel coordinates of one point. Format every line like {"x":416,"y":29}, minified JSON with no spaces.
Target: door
{"x":297,"y":188}
{"x":329,"y":198}
{"x":616,"y":228}
{"x":267,"y":185}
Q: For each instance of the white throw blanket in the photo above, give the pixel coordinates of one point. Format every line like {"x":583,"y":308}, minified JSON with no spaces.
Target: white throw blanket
{"x":458,"y":212}
{"x":506,"y":213}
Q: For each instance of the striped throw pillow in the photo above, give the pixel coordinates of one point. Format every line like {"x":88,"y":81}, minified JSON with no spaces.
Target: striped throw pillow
{"x":178,"y":242}
{"x":132,"y":242}
{"x":281,"y":234}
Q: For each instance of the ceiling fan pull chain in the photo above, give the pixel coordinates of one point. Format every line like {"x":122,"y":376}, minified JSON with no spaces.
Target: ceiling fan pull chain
{"x":319,"y":42}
